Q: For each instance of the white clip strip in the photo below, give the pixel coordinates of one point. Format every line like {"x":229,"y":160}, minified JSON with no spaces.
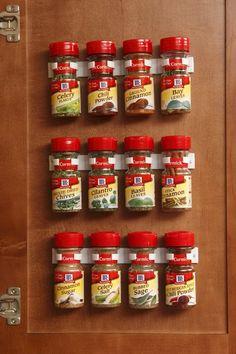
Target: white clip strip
{"x":119,"y":67}
{"x":123,"y":256}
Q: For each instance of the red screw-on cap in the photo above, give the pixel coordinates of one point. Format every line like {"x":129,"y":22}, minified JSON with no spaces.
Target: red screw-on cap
{"x":63,"y":48}
{"x":102,"y":143}
{"x":101,"y":47}
{"x":68,"y":240}
{"x":139,"y":143}
{"x":105,"y":239}
{"x":181,"y":44}
{"x":179,"y":239}
{"x":175,"y":142}
{"x":65,"y":144}
{"x":142,"y":239}
{"x":137,"y":46}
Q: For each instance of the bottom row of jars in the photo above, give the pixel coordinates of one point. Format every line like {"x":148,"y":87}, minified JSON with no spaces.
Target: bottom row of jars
{"x":180,"y":287}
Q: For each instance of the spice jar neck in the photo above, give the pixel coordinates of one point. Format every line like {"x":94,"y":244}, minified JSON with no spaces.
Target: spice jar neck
{"x":105,"y":255}
{"x":61,"y":161}
{"x":176,"y":159}
{"x":179,"y":256}
{"x":144,"y":256}
{"x":102,"y":160}
{"x":68,"y":256}
{"x":64,"y":65}
{"x":138,"y":159}
{"x":138,"y":63}
{"x":101,"y":65}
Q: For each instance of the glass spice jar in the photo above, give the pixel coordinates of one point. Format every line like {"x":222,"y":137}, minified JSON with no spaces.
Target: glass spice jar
{"x":65,"y":179}
{"x":143,"y":274}
{"x":106,"y":275}
{"x":68,"y":274}
{"x":138,"y":82}
{"x":175,"y":79}
{"x":103,"y":180}
{"x":176,"y":177}
{"x":139,"y":178}
{"x":180,"y":274}
{"x":65,"y":86}
{"x":102,"y":86}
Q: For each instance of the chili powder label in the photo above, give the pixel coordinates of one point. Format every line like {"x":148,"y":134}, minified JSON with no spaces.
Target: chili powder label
{"x":106,"y":287}
{"x":139,"y":93}
{"x":143,"y":288}
{"x":102,"y":96}
{"x":103,"y":192}
{"x":140,"y":190}
{"x":66,"y":194}
{"x":177,"y":192}
{"x":65,"y":97}
{"x":176,"y":93}
{"x":180,"y":289}
{"x":68,"y":288}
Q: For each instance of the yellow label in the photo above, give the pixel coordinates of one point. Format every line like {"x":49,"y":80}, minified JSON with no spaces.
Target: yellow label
{"x":183,"y":292}
{"x":69,"y":294}
{"x":178,"y":195}
{"x":140,"y":191}
{"x":103,"y":101}
{"x":142,"y":97}
{"x":176,"y":98}
{"x":66,"y":102}
{"x":142,"y":290}
{"x":67,"y":198}
{"x":106,"y":288}
{"x":104,"y":194}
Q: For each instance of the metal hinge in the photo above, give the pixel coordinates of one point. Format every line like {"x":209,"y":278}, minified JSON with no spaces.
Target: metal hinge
{"x":10,"y":306}
{"x":10,"y":23}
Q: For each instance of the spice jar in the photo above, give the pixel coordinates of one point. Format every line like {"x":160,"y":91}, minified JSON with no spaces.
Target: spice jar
{"x":103,"y":180}
{"x":65,"y":179}
{"x":65,"y":86}
{"x":180,"y":274}
{"x":176,"y":178}
{"x":69,"y":274}
{"x":143,"y":274}
{"x":139,"y":178}
{"x":138,"y":82}
{"x":102,"y":86}
{"x":175,"y":79}
{"x":106,"y":275}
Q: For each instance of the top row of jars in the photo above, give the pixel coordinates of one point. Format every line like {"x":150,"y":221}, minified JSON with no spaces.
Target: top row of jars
{"x":175,"y":83}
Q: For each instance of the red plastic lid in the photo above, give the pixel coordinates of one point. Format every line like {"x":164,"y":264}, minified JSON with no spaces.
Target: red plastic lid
{"x":68,"y":239}
{"x":175,"y":142}
{"x":139,"y":143}
{"x":179,"y":239}
{"x":101,"y":47}
{"x":65,"y":144}
{"x":181,"y":44}
{"x":63,"y":48}
{"x":142,"y":239}
{"x":137,"y":46}
{"x":102,"y":143}
{"x":105,"y":239}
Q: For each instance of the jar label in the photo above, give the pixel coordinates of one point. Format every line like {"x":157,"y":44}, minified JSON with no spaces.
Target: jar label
{"x":176,"y":93}
{"x":68,"y":258}
{"x":69,"y":288}
{"x":66,"y":194}
{"x":65,"y":97}
{"x":141,"y":161}
{"x":177,"y":192}
{"x":102,"y":66}
{"x":176,"y":162}
{"x":63,"y":164}
{"x":185,"y":258}
{"x":180,"y":289}
{"x":102,"y":96}
{"x":60,"y":68}
{"x":138,"y":258}
{"x":140,"y":190}
{"x":139,"y":94}
{"x":175,"y":63}
{"x":143,"y":288}
{"x":105,"y":258}
{"x":138,"y":64}
{"x":103,"y":192}
{"x":102,"y":162}
{"x":106,"y":288}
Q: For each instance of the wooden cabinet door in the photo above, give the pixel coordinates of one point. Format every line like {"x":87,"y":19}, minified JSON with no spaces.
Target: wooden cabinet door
{"x":27,"y":223}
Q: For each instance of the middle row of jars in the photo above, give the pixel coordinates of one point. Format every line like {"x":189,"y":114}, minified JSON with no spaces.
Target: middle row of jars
{"x":103,"y":180}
